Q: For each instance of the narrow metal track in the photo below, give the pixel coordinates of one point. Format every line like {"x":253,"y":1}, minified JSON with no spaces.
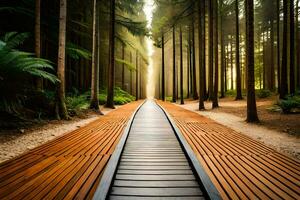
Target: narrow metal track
{"x":153,"y":163}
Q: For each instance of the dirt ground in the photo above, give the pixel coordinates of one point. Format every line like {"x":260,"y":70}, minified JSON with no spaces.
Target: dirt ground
{"x":275,"y":129}
{"x":18,"y":141}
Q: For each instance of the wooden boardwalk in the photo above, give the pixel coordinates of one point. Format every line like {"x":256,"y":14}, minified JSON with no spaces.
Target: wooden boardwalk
{"x":239,"y":167}
{"x":69,"y":166}
{"x":153,"y":164}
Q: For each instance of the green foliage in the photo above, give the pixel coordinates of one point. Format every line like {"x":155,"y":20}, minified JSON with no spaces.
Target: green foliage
{"x":121,"y":97}
{"x":289,"y":104}
{"x":231,"y":93}
{"x":77,"y":103}
{"x":76,"y":52}
{"x":264,"y":93}
{"x":17,"y":68}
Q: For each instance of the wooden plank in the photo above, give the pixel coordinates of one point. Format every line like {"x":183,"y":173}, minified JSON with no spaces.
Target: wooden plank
{"x":159,"y":184}
{"x":158,"y":192}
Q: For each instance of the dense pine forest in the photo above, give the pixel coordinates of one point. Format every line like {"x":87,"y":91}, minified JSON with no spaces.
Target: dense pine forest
{"x":60,"y":58}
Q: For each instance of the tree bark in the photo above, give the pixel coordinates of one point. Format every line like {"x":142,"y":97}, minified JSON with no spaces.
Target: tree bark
{"x":211,"y":52}
{"x":123,"y":66}
{"x":94,"y":104}
{"x":215,"y":102}
{"x":37,"y":30}
{"x":111,"y":70}
{"x":61,"y":108}
{"x":195,"y":93}
{"x":223,"y":66}
{"x":137,"y":75}
{"x":231,"y":61}
{"x":162,"y":67}
{"x":297,"y":46}
{"x":174,"y":97}
{"x":292,"y":48}
{"x":201,"y":30}
{"x":237,"y":54}
{"x":181,"y":67}
{"x":131,"y":75}
{"x":251,"y":102}
{"x":278,"y":44}
{"x":283,"y":79}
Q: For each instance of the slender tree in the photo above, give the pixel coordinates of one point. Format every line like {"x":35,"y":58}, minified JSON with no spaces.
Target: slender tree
{"x":201,"y":40}
{"x":162,"y":67}
{"x":111,"y":70}
{"x":181,"y":67}
{"x":94,"y":104}
{"x":211,"y":52}
{"x":195,"y":93}
{"x":123,"y":66}
{"x":223,"y":64}
{"x":237,"y":54}
{"x":283,"y":79}
{"x":137,"y":70}
{"x":278,"y":43}
{"x":37,"y":30}
{"x":61,"y":109}
{"x":174,"y":96}
{"x":215,"y":102}
{"x":292,"y":47}
{"x":251,"y":102}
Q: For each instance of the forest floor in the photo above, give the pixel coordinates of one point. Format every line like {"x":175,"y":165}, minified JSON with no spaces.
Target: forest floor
{"x":275,"y":129}
{"x":15,"y":142}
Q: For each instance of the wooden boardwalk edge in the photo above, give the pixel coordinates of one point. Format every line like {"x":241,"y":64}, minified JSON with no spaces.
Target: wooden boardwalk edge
{"x":111,"y":167}
{"x":204,"y":179}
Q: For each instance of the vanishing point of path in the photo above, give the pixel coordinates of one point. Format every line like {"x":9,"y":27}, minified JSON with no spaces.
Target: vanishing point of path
{"x":160,"y":159}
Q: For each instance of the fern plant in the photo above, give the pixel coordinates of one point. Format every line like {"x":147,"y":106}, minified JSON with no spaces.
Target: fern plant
{"x":16,"y":71}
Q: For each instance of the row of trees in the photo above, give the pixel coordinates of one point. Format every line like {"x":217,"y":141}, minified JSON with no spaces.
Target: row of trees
{"x":93,"y":40}
{"x":231,"y":44}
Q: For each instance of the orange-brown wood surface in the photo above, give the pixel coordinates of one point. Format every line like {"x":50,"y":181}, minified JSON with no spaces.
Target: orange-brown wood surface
{"x":69,"y":166}
{"x":240,"y":167}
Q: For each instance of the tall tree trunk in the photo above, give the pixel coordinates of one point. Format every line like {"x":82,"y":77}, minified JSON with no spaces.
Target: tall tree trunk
{"x":61,"y":109}
{"x":174,"y":96}
{"x":292,"y":48}
{"x":272,"y":67}
{"x":201,"y":40}
{"x":188,"y":69}
{"x":297,"y":45}
{"x":94,"y":104}
{"x":37,"y":30}
{"x":111,"y":70}
{"x":215,"y":102}
{"x":223,"y":66}
{"x":162,"y":67}
{"x":231,"y":62}
{"x":237,"y":54}
{"x":251,"y":102}
{"x":211,"y":52}
{"x":278,"y":44}
{"x":181,"y":67}
{"x":195,"y":93}
{"x":137,"y":75}
{"x":123,"y":66}
{"x":131,"y":75}
{"x":283,"y":83}
{"x":226,"y":67}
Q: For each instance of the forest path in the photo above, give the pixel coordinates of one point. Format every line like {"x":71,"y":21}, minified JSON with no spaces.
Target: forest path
{"x":153,"y":164}
{"x":239,"y":166}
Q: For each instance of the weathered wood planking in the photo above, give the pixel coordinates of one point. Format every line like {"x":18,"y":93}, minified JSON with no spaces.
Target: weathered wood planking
{"x":240,"y":167}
